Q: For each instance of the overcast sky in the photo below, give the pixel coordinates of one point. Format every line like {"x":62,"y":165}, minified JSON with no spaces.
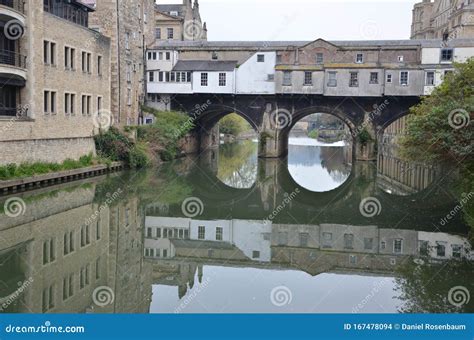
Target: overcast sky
{"x":305,"y":19}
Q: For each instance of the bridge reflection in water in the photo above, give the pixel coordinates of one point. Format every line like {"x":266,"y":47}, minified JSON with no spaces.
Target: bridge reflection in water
{"x":128,"y":232}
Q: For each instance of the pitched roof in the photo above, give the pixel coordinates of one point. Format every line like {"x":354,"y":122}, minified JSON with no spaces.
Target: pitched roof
{"x":205,"y":65}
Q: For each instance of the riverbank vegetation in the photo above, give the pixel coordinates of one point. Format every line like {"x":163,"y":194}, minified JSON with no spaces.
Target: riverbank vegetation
{"x":234,"y":125}
{"x":12,"y":171}
{"x":440,"y":130}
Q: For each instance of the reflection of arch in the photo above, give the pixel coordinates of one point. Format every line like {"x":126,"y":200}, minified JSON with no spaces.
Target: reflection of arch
{"x":215,"y":112}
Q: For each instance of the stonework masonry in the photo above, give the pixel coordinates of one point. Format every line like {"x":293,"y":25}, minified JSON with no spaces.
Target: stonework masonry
{"x":51,"y":129}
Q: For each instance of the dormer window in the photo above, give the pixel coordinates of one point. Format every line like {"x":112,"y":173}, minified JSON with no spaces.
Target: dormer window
{"x":359,"y":58}
{"x":214,"y":56}
{"x":174,"y":13}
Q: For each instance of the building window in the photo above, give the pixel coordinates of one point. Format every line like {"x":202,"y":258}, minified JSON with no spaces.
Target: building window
{"x":278,"y":59}
{"x":68,"y":286}
{"x":170,"y":34}
{"x":332,"y":79}
{"x":86,"y":104}
{"x":397,"y":246}
{"x":368,"y":243}
{"x":260,"y":58}
{"x":304,"y":237}
{"x":222,"y":79}
{"x":214,"y":56}
{"x":127,"y":40}
{"x":308,"y":78}
{"x":389,"y":78}
{"x":49,"y":52}
{"x":440,"y":249}
{"x":400,"y":59}
{"x":85,"y":236}
{"x":86,"y":62}
{"x":99,"y":104}
{"x":457,"y":251}
{"x":168,"y":56}
{"x":348,"y":241}
{"x":48,"y":299}
{"x":255,"y":254}
{"x":354,"y":79}
{"x":287,"y":78}
{"x":319,"y":58}
{"x":69,"y":100}
{"x":359,"y":58}
{"x":69,"y":55}
{"x":49,"y":251}
{"x":204,"y":79}
{"x":446,"y":55}
{"x":201,"y":232}
{"x":374,"y":78}
{"x":49,"y":101}
{"x":219,"y":232}
{"x":327,"y":240}
{"x":282,"y":239}
{"x":430,"y":78}
{"x":129,"y":97}
{"x":68,"y":246}
{"x":404,"y":78}
{"x":99,"y":65}
{"x":151,"y":76}
{"x":158,"y":33}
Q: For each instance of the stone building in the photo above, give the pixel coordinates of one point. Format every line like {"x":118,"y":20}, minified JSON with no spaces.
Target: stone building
{"x":54,"y":75}
{"x":130,"y":26}
{"x":443,"y":19}
{"x":179,"y":22}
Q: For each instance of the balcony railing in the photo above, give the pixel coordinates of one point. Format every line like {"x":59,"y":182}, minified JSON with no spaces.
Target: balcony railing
{"x":12,"y":58}
{"x":18,"y":5}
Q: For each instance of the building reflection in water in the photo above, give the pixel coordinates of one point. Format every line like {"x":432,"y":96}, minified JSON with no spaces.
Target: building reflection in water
{"x":52,"y":261}
{"x":396,"y":175}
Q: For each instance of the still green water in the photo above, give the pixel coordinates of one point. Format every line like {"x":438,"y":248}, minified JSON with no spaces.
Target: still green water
{"x":227,"y":232}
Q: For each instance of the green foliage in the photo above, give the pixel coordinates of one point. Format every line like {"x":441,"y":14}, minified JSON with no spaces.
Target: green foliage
{"x":313,"y":134}
{"x":115,"y":146}
{"x":233,"y":124}
{"x":162,"y":138}
{"x":11,"y":171}
{"x":364,"y":137}
{"x":430,"y":135}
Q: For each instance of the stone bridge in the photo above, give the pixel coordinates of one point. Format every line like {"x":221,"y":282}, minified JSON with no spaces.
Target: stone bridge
{"x":273,"y":117}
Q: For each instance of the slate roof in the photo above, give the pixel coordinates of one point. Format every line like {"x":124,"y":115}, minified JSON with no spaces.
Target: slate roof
{"x":204,"y":65}
{"x":268,"y":45}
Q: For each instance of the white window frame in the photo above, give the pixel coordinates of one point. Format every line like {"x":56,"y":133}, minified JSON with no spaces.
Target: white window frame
{"x":408,"y":78}
{"x":361,"y":61}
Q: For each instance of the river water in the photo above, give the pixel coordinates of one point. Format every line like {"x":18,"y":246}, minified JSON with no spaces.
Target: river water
{"x":226,"y":232}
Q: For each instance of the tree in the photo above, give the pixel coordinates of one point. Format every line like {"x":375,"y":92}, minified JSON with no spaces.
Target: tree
{"x":233,"y":124}
{"x":440,"y":127}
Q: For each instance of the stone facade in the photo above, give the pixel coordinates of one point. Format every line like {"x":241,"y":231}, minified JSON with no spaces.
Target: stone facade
{"x":42,"y":129}
{"x":179,"y":22}
{"x":443,"y":19}
{"x":130,"y":26}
